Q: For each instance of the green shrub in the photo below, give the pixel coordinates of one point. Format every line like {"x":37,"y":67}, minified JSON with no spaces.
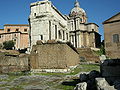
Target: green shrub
{"x":8,"y":45}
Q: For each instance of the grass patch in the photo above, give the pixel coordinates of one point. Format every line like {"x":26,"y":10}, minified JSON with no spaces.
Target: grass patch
{"x":88,"y":68}
{"x":16,"y":88}
{"x":64,"y":87}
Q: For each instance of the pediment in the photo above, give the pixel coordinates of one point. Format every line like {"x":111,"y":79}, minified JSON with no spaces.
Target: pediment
{"x":113,"y":18}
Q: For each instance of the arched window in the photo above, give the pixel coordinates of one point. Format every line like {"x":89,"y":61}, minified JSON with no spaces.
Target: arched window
{"x":116,"y":38}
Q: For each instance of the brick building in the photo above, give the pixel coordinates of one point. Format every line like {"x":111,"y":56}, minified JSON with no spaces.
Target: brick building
{"x":17,"y":33}
{"x":112,"y":36}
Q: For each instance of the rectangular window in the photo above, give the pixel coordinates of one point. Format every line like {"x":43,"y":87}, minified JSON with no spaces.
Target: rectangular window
{"x":63,"y":35}
{"x":17,"y":30}
{"x":67,"y":35}
{"x":41,"y":36}
{"x":49,"y":30}
{"x":115,"y":38}
{"x":55,"y":31}
{"x":35,"y":14}
{"x":15,"y":35}
{"x":25,"y":30}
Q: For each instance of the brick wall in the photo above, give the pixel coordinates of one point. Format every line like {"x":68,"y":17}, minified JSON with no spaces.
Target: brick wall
{"x":13,"y":64}
{"x":53,"y":56}
{"x":112,"y":49}
{"x":86,"y":54}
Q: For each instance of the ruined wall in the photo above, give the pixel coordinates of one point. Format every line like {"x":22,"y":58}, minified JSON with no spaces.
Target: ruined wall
{"x":86,"y":54}
{"x":53,"y":56}
{"x":13,"y":64}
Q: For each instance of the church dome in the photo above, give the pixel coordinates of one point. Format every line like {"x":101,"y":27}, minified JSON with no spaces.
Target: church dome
{"x":77,"y":10}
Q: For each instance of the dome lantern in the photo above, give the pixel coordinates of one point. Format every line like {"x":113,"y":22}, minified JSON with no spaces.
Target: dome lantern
{"x":77,"y":10}
{"x":77,"y":4}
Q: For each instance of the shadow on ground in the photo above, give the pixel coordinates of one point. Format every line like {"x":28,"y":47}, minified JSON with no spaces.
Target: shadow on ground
{"x":71,"y":83}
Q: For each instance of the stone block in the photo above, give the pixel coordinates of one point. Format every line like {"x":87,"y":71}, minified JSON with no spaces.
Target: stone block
{"x":101,"y":83}
{"x":81,"y":86}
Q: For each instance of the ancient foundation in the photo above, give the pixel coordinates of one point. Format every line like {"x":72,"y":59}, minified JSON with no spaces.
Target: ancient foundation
{"x":53,"y":57}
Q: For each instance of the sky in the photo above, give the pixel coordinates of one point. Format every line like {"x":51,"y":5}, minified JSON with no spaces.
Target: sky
{"x":17,"y":11}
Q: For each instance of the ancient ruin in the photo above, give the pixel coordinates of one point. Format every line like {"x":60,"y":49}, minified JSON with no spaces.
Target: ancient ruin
{"x":53,"y":57}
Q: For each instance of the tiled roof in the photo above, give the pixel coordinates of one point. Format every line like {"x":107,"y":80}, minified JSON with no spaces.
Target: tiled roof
{"x":16,"y":25}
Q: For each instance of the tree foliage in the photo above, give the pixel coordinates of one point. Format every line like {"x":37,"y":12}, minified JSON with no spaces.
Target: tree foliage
{"x":8,"y":45}
{"x":102,"y":48}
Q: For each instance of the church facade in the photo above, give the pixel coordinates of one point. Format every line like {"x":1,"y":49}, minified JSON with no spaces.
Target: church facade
{"x":48,"y":23}
{"x":82,"y":33}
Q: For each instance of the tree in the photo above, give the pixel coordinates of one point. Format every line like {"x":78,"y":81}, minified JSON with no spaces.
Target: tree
{"x":102,"y":48}
{"x":8,"y":45}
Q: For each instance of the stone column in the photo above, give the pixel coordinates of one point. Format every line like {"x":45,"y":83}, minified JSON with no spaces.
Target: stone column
{"x":87,"y":39}
{"x":81,"y":37}
{"x":77,"y":40}
{"x":74,"y":40}
{"x":19,"y":38}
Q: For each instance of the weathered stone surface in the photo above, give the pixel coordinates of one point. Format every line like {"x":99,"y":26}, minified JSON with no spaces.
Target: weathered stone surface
{"x":117,"y":84}
{"x":13,"y":64}
{"x":51,"y":41}
{"x":83,"y":77}
{"x":110,"y":68}
{"x":102,"y":57}
{"x":33,"y":82}
{"x":110,"y":88}
{"x":87,"y":54}
{"x":53,"y":56}
{"x":9,"y":52}
{"x":34,"y":78}
{"x":4,"y":77}
{"x":93,"y":74}
{"x":3,"y":82}
{"x":39,"y":42}
{"x":101,"y":83}
{"x":81,"y":86}
{"x":35,"y":87}
{"x":91,"y":85}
